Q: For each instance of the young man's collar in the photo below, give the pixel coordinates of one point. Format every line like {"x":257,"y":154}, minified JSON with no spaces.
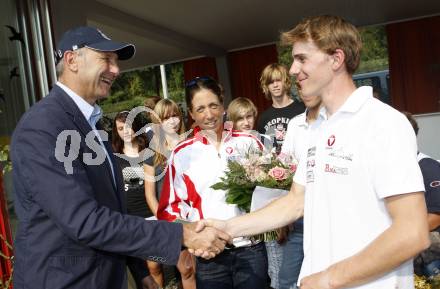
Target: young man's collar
{"x":354,"y":102}
{"x":357,"y":99}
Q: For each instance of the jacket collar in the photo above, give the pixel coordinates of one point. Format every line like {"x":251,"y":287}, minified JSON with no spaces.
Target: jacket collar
{"x":92,"y":113}
{"x":70,"y":107}
{"x":226,"y":135}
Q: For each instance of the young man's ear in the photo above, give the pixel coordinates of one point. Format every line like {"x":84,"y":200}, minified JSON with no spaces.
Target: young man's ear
{"x":338,"y":58}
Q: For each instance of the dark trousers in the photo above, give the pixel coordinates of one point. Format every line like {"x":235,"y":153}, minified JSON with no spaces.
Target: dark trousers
{"x":239,"y":268}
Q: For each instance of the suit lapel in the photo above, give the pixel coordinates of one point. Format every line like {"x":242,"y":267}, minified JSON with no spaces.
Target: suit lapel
{"x":84,"y":127}
{"x":117,"y":171}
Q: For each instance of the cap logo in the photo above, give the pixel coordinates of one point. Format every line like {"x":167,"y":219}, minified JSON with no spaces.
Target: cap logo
{"x":434,"y":184}
{"x":103,"y":35}
{"x":60,"y":54}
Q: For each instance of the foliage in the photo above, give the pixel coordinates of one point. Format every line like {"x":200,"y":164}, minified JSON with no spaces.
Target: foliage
{"x":374,"y":55}
{"x":239,"y":189}
{"x":5,"y":159}
{"x":374,"y":41}
{"x":109,"y":107}
{"x":131,"y":88}
{"x":284,"y":55}
{"x":256,"y":169}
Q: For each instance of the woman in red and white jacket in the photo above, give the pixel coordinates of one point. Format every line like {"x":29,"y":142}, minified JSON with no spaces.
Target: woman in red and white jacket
{"x":194,"y":166}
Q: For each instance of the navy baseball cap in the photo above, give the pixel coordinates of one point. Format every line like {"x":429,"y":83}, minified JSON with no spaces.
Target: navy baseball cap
{"x":90,"y":37}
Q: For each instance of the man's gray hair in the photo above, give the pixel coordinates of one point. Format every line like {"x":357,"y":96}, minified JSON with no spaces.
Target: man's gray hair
{"x":59,"y":68}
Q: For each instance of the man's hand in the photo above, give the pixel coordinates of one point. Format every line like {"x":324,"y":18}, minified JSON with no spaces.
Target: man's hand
{"x":206,"y":223}
{"x":320,"y":280}
{"x":206,"y":243}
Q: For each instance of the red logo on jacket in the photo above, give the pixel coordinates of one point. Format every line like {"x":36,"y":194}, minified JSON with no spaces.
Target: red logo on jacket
{"x":229,"y":150}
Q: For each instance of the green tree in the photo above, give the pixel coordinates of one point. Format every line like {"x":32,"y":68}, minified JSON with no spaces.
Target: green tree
{"x":175,"y":80}
{"x":135,"y":85}
{"x":374,"y":54}
{"x":284,"y":55}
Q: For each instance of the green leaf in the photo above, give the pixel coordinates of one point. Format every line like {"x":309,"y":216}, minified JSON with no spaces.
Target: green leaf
{"x":219,"y":186}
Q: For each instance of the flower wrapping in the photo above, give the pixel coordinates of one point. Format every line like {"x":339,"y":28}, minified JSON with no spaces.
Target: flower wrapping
{"x":261,"y":197}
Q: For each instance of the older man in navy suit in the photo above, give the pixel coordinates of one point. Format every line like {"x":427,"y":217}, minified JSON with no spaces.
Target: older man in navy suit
{"x":72,"y":231}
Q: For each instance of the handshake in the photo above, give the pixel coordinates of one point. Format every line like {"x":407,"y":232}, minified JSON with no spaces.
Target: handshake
{"x":206,"y":238}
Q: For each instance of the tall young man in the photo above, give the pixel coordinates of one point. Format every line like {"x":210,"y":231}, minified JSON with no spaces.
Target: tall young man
{"x":360,"y":188}
{"x":272,"y":124}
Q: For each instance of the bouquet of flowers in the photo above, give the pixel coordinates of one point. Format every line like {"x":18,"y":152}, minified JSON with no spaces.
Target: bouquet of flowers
{"x":256,"y":169}
{"x":264,"y":171}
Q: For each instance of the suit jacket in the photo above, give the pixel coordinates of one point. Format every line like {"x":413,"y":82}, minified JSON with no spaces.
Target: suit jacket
{"x":72,"y":232}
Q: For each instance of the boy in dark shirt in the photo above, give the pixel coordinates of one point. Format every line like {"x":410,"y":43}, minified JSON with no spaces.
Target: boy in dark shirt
{"x":272,"y":123}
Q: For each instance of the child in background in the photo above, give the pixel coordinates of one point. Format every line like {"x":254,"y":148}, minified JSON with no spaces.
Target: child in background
{"x":243,"y":114}
{"x":127,"y":148}
{"x":167,"y":131}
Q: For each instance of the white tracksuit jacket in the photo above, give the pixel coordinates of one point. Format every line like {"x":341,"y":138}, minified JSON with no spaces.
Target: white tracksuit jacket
{"x":194,"y":166}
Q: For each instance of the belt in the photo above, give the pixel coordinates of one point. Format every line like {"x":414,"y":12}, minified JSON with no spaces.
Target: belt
{"x":234,"y":247}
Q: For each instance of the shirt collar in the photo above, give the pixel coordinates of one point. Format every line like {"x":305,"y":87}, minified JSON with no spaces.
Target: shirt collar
{"x":323,"y":113}
{"x":92,"y":113}
{"x":302,"y":118}
{"x":353,"y":102}
{"x":357,"y":99}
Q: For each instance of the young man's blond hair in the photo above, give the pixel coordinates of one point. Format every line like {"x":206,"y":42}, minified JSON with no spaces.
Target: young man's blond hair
{"x":329,"y":33}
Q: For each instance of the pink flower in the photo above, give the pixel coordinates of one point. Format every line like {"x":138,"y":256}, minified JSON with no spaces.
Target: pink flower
{"x":292,"y":168}
{"x":278,"y":173}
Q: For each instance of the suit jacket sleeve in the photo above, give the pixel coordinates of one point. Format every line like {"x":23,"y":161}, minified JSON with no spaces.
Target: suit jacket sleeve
{"x":69,"y":201}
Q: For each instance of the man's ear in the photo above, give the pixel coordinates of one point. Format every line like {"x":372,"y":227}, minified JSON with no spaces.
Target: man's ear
{"x":338,"y":58}
{"x":71,"y":60}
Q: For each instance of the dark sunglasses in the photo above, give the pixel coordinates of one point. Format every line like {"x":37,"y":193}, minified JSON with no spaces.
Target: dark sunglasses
{"x":197,"y":79}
